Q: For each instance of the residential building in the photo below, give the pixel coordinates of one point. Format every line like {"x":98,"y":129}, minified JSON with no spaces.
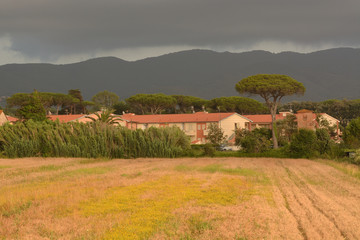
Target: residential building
{"x":195,"y":125}
{"x":305,"y":119}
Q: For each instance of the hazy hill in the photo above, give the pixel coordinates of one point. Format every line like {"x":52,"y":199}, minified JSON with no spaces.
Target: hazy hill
{"x":333,"y":73}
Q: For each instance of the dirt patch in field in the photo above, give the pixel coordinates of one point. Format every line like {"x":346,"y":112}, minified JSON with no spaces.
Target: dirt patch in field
{"x":213,"y":198}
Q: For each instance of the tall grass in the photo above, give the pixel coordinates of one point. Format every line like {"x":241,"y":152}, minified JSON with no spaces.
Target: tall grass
{"x":90,"y":140}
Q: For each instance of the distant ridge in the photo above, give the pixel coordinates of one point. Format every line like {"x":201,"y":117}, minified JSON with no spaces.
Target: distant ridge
{"x":326,"y":74}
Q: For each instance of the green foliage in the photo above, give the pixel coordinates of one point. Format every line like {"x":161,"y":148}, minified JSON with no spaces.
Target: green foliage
{"x":34,"y":109}
{"x":241,"y":105}
{"x":105,"y":99}
{"x":357,"y":156}
{"x":106,"y":117}
{"x":336,"y":151}
{"x":47,"y":99}
{"x":195,"y":151}
{"x":77,"y":106}
{"x":255,"y":141}
{"x":121,"y":107}
{"x":91,"y":140}
{"x":272,"y":88}
{"x":61,"y":100}
{"x":323,"y":140}
{"x":215,"y":135}
{"x":352,"y":133}
{"x":286,"y":127}
{"x":150,"y":103}
{"x":209,"y":150}
{"x":187,"y":104}
{"x":18,"y":99}
{"x":76,"y":93}
{"x":303,"y":144}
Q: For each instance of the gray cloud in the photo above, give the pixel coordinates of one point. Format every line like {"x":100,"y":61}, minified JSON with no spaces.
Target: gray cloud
{"x":49,"y":29}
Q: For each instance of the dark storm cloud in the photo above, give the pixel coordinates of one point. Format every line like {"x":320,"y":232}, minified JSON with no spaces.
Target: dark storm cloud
{"x":51,"y":28}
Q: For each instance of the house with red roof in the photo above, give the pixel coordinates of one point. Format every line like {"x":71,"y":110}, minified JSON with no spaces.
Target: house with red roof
{"x":83,"y":118}
{"x":305,"y":119}
{"x":12,"y":119}
{"x":66,"y":118}
{"x":195,"y":125}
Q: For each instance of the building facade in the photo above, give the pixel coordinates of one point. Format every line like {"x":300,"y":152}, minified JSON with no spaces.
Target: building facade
{"x":195,"y":125}
{"x":304,"y":118}
{"x":3,"y":118}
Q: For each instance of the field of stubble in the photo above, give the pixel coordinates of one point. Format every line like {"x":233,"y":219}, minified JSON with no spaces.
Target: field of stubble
{"x":204,"y":198}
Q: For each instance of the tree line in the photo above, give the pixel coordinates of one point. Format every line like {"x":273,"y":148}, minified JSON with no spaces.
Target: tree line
{"x":270,"y":87}
{"x":24,"y":105}
{"x":37,"y":105}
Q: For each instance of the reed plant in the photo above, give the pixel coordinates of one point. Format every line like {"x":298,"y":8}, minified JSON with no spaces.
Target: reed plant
{"x":89,"y":140}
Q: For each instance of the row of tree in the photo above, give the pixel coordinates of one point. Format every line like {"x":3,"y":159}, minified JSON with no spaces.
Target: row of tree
{"x":73,"y":103}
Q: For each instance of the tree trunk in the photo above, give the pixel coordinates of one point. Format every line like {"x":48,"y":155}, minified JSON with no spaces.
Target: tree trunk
{"x":273,"y":119}
{"x":57,"y":109}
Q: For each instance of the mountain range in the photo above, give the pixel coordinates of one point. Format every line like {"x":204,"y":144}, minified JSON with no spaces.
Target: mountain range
{"x":326,"y":74}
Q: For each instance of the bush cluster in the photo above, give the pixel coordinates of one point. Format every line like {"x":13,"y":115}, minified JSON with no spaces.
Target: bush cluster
{"x":91,"y":140}
{"x":255,"y":141}
{"x":303,"y":143}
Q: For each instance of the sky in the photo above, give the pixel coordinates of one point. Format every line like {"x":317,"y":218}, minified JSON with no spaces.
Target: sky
{"x":66,"y":31}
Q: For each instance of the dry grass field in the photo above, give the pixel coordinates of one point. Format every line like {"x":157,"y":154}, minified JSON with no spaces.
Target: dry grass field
{"x":205,"y":198}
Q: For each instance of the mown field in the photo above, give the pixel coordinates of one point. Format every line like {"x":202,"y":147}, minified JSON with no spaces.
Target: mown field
{"x":204,"y":198}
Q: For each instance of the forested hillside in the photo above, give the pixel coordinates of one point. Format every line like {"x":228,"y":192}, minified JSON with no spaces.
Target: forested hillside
{"x":327,"y":74}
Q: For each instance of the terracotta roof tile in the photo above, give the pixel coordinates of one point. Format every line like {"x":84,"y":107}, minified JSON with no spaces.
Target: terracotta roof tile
{"x":65,"y":118}
{"x":304,"y":111}
{"x":266,"y":118}
{"x":11,"y":119}
{"x":176,"y":118}
{"x":260,"y":118}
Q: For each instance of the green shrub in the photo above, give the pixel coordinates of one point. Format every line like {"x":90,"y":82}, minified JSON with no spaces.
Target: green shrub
{"x":352,"y":133}
{"x":336,"y":151}
{"x":255,"y":141}
{"x":357,"y":156}
{"x":215,"y":135}
{"x":195,"y":151}
{"x":209,"y":150}
{"x":323,"y":140}
{"x":303,"y":144}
